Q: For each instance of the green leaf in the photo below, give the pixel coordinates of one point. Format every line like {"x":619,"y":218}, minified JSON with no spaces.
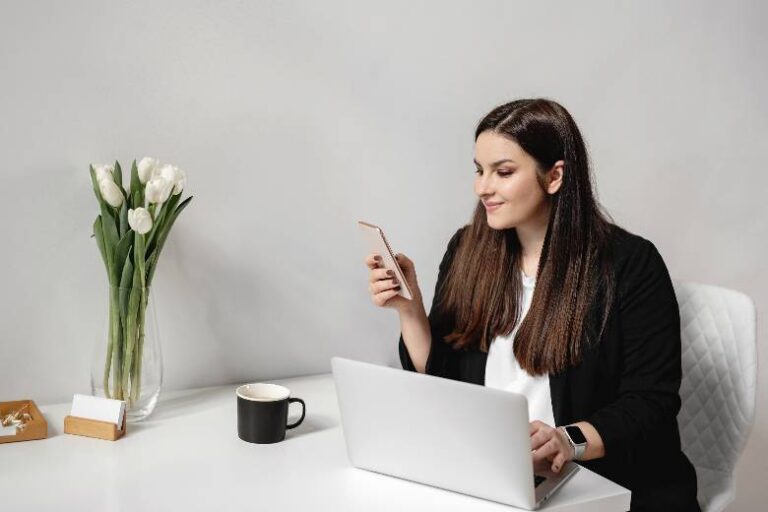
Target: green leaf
{"x":137,"y":189}
{"x":95,"y":183}
{"x":111,"y":239}
{"x":161,"y":220}
{"x":121,"y":251}
{"x":151,"y":262}
{"x":99,"y":236}
{"x":109,"y":223}
{"x":124,"y":227}
{"x":166,"y":228}
{"x":139,"y":257}
{"x":137,"y":199}
{"x":97,"y":192}
{"x":125,"y":287}
{"x":107,"y":212}
{"x":118,"y":175}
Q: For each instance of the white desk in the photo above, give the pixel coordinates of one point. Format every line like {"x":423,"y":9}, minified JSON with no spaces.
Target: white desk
{"x":187,"y":457}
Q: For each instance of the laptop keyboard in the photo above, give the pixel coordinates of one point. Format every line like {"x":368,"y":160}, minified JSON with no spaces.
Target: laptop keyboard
{"x":537,"y":480}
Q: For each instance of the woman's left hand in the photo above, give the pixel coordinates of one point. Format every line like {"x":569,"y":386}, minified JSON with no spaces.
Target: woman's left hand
{"x":549,"y":443}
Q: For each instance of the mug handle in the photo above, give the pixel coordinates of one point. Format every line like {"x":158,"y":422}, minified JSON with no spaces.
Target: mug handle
{"x":303,"y":411}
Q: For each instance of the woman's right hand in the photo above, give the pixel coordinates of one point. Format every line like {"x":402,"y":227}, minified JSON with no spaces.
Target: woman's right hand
{"x":383,"y":285}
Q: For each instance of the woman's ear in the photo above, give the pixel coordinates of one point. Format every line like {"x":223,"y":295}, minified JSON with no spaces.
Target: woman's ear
{"x":555,"y":177}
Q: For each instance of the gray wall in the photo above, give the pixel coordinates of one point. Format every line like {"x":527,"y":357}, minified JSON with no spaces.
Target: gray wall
{"x":296,"y":119}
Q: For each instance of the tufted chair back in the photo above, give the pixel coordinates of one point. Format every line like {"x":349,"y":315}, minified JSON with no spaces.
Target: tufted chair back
{"x":719,"y":360}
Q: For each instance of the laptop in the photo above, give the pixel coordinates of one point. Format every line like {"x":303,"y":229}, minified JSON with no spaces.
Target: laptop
{"x":445,"y":433}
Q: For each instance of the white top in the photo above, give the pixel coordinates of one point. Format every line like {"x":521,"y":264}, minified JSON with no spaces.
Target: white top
{"x":502,"y":370}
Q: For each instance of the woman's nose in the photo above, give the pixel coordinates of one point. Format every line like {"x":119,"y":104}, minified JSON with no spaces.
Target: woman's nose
{"x":484,"y":185}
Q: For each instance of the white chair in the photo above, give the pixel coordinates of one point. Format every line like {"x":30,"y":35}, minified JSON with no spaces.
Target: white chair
{"x":718,"y":388}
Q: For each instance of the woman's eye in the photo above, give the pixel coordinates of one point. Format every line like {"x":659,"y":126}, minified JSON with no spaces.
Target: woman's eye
{"x":500,"y":173}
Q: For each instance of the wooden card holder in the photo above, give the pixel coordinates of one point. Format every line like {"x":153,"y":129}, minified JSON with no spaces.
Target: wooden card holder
{"x":94,"y":428}
{"x":36,"y":428}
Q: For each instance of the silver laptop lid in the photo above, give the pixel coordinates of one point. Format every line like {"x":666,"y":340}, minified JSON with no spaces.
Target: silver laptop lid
{"x":449,"y":434}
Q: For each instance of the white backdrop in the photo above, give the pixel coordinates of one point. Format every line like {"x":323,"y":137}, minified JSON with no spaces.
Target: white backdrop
{"x":294,"y":120}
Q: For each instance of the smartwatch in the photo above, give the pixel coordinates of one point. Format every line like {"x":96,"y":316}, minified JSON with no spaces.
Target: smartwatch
{"x":577,"y":440}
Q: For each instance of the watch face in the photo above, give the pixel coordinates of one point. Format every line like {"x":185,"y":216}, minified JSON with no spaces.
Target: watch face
{"x":576,"y":435}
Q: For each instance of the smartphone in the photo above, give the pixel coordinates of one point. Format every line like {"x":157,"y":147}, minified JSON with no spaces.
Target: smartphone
{"x":376,"y":242}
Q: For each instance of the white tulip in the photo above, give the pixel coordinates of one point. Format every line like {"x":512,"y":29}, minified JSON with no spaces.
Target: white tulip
{"x":181,"y":181}
{"x":175,"y":176}
{"x":158,"y":190}
{"x":140,"y":220}
{"x":148,"y":168}
{"x":111,"y":192}
{"x":104,"y":172}
{"x":168,"y":172}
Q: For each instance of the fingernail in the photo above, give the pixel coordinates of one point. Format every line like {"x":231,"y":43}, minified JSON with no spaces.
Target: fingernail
{"x":390,"y":273}
{"x":377,"y":258}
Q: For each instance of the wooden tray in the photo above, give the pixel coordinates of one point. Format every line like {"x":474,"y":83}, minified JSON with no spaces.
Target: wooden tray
{"x":37,"y":427}
{"x":94,"y":428}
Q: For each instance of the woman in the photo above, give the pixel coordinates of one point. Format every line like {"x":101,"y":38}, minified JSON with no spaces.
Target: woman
{"x":540,"y":294}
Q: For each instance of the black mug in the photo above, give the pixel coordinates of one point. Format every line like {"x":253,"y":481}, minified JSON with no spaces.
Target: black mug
{"x":262,"y":412}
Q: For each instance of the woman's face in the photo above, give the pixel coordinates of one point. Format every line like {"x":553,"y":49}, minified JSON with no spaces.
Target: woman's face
{"x":506,"y":174}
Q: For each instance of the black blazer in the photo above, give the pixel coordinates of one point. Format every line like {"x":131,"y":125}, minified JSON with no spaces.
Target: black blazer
{"x":627,"y":385}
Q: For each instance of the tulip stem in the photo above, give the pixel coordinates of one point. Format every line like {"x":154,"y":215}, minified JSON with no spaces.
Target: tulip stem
{"x":108,"y":367}
{"x":110,"y":345}
{"x":136,"y":390}
{"x":115,"y":336}
{"x":131,"y":336}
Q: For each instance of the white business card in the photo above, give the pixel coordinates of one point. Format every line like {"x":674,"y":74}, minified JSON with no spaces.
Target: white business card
{"x":10,"y":430}
{"x":97,"y":408}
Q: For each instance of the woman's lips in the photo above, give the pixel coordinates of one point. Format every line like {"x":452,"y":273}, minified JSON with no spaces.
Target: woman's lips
{"x":490,"y":207}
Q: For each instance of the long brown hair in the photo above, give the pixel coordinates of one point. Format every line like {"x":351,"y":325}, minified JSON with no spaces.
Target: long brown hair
{"x":574,"y":281}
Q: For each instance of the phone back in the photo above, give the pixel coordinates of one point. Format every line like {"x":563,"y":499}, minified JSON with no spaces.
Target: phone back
{"x":376,"y":242}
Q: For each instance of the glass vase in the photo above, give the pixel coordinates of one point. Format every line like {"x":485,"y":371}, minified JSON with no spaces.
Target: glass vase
{"x":127,"y":361}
